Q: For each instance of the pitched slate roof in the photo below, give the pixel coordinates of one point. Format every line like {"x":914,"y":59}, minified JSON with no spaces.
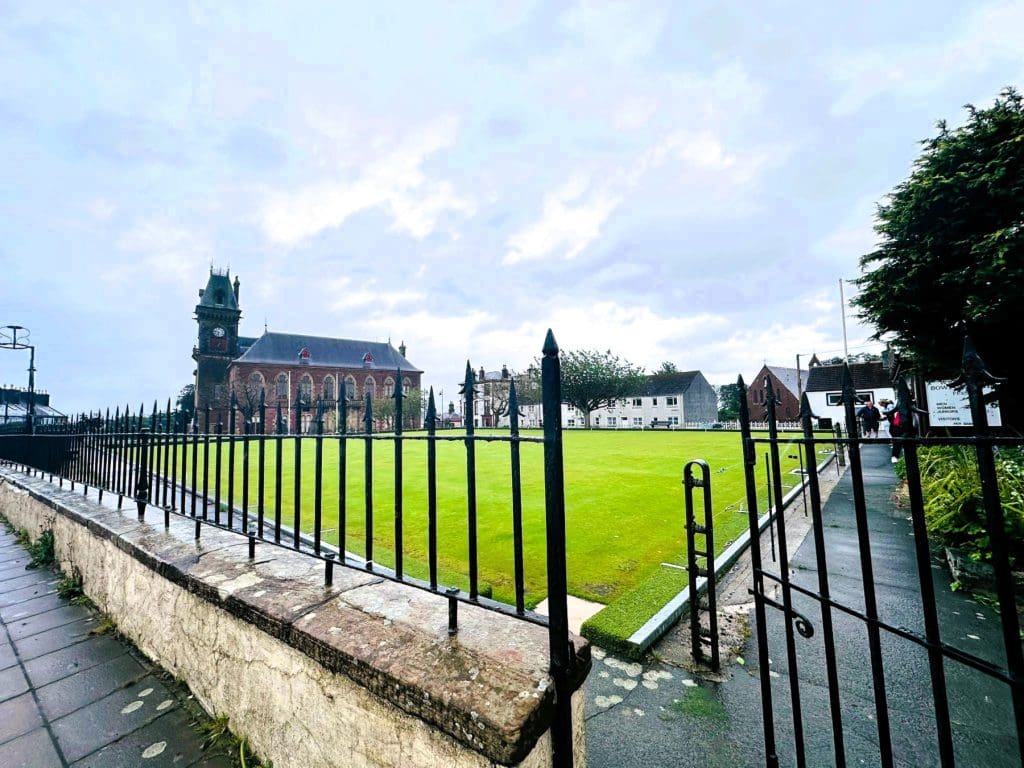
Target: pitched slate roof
{"x":788,"y":377}
{"x":663,"y":384}
{"x":218,"y":287}
{"x":829,"y":378}
{"x":284,"y":348}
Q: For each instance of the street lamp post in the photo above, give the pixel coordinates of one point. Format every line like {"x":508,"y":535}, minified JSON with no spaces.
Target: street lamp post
{"x":9,"y":340}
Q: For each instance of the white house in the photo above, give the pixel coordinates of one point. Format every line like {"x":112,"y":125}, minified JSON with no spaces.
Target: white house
{"x":825,"y":391}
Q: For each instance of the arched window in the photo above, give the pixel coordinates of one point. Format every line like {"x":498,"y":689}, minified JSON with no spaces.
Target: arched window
{"x":306,"y":388}
{"x":406,"y":385}
{"x":350,"y":387}
{"x":255,"y":386}
{"x":329,"y":388}
{"x":282,"y":386}
{"x":370,"y":387}
{"x":389,"y":387}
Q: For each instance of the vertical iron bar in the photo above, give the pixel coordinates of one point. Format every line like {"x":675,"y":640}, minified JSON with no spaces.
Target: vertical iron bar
{"x":749,"y":461}
{"x":867,"y":573}
{"x":828,"y":635}
{"x":231,"y":460}
{"x":154,"y":454}
{"x":517,"y":498}
{"x":168,"y":442}
{"x":928,"y":605}
{"x":787,"y":593}
{"x":342,"y":470}
{"x":142,"y":484}
{"x":975,"y":376}
{"x":432,"y":488}
{"x":246,"y":438}
{"x":278,"y":450}
{"x":195,"y":462}
{"x":297,"y":485}
{"x":318,"y":487}
{"x":206,"y":463}
{"x":217,"y":471}
{"x":261,"y":465}
{"x":398,"y":473}
{"x":554,"y":505}
{"x":368,"y":480}
{"x":174,"y":458}
{"x":468,"y":394}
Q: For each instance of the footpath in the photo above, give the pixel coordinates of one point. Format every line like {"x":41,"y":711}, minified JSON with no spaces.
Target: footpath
{"x":72,"y":694}
{"x":659,"y":713}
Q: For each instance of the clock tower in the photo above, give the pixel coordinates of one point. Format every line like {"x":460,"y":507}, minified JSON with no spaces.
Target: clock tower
{"x":217,"y":314}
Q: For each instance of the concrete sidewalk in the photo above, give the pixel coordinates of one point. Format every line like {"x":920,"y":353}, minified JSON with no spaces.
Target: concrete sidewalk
{"x":69,"y":697}
{"x":659,"y":714}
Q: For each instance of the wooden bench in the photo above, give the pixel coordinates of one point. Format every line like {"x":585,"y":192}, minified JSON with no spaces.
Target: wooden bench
{"x":656,"y":423}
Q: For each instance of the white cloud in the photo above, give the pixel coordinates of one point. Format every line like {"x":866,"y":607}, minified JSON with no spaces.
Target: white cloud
{"x":617,"y":29}
{"x":102,"y":209}
{"x":634,"y":112}
{"x":343,"y":297}
{"x":394,"y":181}
{"x":571,"y":220}
{"x":991,"y":36}
{"x":161,"y":250}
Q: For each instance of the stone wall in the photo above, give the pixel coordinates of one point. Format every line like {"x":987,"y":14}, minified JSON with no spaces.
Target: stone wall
{"x":362,"y":673}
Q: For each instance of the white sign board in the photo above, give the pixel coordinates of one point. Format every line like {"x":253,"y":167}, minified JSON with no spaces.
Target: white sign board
{"x":948,"y":407}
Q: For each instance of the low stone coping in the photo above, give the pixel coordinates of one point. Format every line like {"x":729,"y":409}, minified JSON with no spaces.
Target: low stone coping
{"x":488,"y":686}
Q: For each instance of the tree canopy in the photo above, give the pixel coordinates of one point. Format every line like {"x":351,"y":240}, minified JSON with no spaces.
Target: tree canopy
{"x":950,"y":258}
{"x":728,"y":402}
{"x":592,"y":379}
{"x":667,"y":367}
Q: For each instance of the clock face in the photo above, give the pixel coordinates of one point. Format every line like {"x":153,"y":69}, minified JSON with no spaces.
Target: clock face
{"x":218,"y":332}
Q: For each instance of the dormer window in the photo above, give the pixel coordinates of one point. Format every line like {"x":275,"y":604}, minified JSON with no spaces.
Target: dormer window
{"x":218,"y":297}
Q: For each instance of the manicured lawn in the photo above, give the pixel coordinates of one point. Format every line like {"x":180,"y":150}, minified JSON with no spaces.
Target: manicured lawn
{"x":624,"y":504}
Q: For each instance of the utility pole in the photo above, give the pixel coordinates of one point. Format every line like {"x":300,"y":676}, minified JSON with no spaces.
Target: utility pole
{"x":842,"y":310}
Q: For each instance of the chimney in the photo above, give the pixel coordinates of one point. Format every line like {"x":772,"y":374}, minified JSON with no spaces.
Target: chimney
{"x":504,"y":372}
{"x":401,"y":349}
{"x":483,"y":374}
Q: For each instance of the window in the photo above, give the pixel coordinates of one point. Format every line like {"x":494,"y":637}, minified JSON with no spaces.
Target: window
{"x":673,"y":420}
{"x":671,"y":401}
{"x":638,"y":421}
{"x":306,"y":389}
{"x":406,"y":385}
{"x":655,"y":401}
{"x":282,"y":386}
{"x":389,"y":387}
{"x":369,"y":387}
{"x":637,"y":402}
{"x":572,"y":422}
{"x":612,"y":421}
{"x":597,"y":421}
{"x":836,"y":398}
{"x":350,"y":387}
{"x":329,"y":388}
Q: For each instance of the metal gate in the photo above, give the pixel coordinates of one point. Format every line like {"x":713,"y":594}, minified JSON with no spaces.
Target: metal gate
{"x":862,"y":652}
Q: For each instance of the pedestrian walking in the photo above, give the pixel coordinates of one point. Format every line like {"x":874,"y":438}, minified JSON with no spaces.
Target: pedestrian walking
{"x":869,"y":417}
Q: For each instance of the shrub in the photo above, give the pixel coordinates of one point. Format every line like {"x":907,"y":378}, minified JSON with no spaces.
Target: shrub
{"x":953,"y":506}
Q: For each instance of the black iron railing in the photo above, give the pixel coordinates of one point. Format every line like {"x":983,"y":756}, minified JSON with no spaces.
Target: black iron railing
{"x":169,"y":459}
{"x":778,"y":588}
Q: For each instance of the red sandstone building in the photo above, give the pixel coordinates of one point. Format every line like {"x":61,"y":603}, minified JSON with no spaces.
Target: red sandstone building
{"x":298,"y":374}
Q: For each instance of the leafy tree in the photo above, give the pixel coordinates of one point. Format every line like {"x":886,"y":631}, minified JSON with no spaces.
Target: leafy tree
{"x":728,"y":402}
{"x":950,"y":259}
{"x":592,"y":379}
{"x":666,"y":368}
{"x":186,"y":403}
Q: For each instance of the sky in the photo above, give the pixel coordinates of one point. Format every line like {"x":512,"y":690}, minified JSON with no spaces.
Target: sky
{"x":673,"y":181}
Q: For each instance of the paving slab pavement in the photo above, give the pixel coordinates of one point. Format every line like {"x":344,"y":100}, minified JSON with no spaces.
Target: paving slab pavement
{"x":72,"y":698}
